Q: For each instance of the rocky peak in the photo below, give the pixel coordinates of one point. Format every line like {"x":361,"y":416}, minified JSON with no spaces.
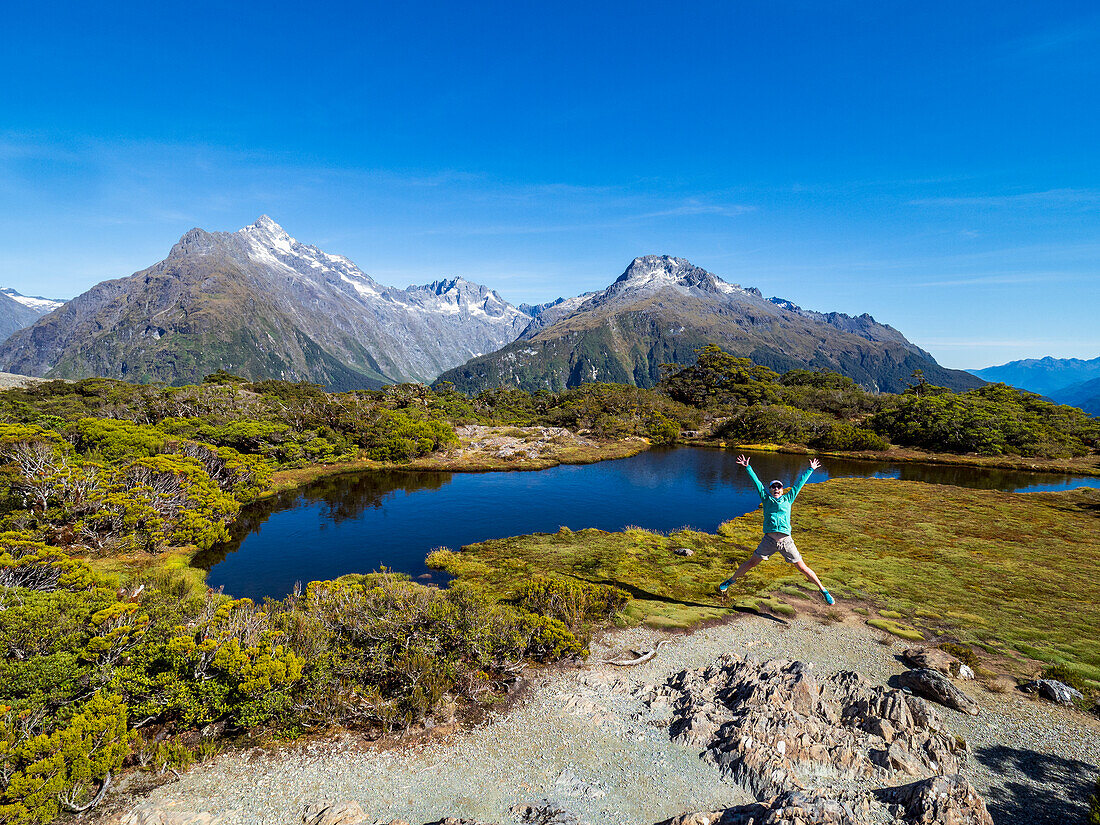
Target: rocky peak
{"x":269,"y":234}
{"x":650,"y":268}
{"x":193,"y":242}
{"x":657,"y":272}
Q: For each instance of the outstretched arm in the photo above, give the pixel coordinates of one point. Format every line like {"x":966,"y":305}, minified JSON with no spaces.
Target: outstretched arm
{"x":802,"y":479}
{"x":744,"y":462}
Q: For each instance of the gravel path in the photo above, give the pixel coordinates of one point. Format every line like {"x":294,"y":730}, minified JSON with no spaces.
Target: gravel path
{"x":581,"y":740}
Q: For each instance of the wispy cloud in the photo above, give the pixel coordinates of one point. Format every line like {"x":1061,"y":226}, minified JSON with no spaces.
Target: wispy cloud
{"x":1051,"y":197}
{"x":1002,"y":278}
{"x":694,"y":208}
{"x":1020,"y":343}
{"x":1071,"y":35}
{"x":627,"y":216}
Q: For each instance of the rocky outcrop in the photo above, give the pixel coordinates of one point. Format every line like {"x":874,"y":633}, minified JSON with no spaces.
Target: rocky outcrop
{"x":933,"y":685}
{"x":941,"y":800}
{"x":518,"y":442}
{"x":813,"y":750}
{"x":774,"y":727}
{"x":1053,"y":690}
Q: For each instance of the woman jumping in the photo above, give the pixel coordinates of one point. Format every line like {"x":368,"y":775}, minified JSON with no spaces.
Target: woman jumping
{"x":777,"y":528}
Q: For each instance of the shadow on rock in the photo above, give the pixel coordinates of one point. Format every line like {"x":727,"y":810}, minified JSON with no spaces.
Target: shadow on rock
{"x":1039,"y":788}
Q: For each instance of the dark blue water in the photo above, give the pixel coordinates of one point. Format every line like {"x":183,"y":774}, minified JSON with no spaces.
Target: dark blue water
{"x":357,"y":523}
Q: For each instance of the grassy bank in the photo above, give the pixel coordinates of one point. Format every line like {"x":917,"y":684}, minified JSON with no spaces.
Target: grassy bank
{"x":468,"y":461}
{"x":1016,"y":574}
{"x":1087,"y":465}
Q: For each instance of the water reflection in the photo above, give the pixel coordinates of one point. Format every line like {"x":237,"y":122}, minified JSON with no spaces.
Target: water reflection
{"x":356,"y":523}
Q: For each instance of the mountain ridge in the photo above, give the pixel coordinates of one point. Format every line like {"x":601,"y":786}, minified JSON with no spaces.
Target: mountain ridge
{"x":662,"y":308}
{"x":259,"y":302}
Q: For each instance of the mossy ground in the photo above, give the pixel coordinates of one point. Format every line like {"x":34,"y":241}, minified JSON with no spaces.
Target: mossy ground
{"x":1015,"y":574}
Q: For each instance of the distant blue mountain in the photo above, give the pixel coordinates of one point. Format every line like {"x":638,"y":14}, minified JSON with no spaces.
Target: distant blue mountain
{"x":1045,"y":376}
{"x":1085,"y":395}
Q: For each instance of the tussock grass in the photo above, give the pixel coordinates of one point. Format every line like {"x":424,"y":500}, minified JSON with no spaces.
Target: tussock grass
{"x":910,"y":633}
{"x":1017,"y":575}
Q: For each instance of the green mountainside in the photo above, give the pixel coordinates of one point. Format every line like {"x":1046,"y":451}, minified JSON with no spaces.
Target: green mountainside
{"x":662,"y":309}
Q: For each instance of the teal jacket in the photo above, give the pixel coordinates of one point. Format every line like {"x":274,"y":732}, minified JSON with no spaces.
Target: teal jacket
{"x":777,"y":511}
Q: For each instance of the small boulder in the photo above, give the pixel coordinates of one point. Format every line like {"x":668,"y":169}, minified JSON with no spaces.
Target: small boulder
{"x":940,"y":800}
{"x":965,"y":674}
{"x":931,"y":684}
{"x":331,"y":812}
{"x":684,"y":551}
{"x":931,"y":658}
{"x":1053,"y":690}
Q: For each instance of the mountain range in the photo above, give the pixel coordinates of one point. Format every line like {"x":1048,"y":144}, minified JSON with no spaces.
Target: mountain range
{"x":661,"y":309}
{"x":1071,"y":381}
{"x":261,"y":304}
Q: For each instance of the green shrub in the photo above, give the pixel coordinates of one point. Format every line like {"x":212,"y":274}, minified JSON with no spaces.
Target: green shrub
{"x":577,"y":604}
{"x":41,"y":774}
{"x":992,"y":420}
{"x":963,"y":653}
{"x":662,"y":430}
{"x":841,"y":435}
{"x":234,"y":666}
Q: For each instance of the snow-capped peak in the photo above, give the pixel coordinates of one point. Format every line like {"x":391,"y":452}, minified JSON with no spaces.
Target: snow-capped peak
{"x":35,"y":302}
{"x":653,"y":272}
{"x":654,"y":268}
{"x":783,"y":303}
{"x":265,"y":231}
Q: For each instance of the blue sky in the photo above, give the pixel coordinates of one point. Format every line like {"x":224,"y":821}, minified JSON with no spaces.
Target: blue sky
{"x":934,"y":164}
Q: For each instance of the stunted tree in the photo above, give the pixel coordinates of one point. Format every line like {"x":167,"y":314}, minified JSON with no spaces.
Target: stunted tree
{"x":719,"y":379}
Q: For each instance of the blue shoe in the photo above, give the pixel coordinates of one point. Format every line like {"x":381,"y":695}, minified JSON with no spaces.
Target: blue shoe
{"x":724,"y":586}
{"x":825,"y":594}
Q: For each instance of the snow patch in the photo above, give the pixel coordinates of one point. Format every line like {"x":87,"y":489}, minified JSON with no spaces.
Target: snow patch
{"x":33,"y":301}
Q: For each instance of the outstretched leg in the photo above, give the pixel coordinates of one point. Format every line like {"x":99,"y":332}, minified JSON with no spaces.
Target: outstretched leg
{"x":805,"y":570}
{"x":747,"y":565}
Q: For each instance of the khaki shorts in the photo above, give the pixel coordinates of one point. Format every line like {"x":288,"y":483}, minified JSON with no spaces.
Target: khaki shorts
{"x":777,"y":541}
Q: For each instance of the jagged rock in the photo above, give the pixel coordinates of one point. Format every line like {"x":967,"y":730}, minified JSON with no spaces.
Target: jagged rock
{"x":542,"y":812}
{"x":941,"y":800}
{"x":791,"y":808}
{"x":1053,"y":690}
{"x":965,"y":673}
{"x":935,"y":686}
{"x":773,"y":728}
{"x":931,"y":658}
{"x":684,"y":551}
{"x":331,"y":812}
